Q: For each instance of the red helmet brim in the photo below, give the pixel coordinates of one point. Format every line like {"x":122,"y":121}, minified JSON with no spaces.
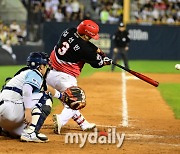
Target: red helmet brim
{"x":96,"y":37}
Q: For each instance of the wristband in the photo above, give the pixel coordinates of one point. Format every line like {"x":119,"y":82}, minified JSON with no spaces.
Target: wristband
{"x":57,"y":95}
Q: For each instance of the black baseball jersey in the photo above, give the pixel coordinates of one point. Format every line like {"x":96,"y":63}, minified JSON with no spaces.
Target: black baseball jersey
{"x":121,"y":38}
{"x":72,"y":52}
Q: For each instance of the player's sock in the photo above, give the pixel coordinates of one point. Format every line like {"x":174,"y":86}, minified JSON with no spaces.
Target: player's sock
{"x":82,"y":122}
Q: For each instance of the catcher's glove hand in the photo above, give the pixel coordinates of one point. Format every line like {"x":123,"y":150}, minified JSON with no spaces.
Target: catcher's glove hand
{"x":74,"y":97}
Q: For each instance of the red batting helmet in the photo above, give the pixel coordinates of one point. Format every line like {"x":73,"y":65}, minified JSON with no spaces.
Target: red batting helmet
{"x":89,"y":28}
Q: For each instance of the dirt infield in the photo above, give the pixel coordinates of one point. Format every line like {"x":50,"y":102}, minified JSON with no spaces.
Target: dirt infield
{"x":150,"y":123}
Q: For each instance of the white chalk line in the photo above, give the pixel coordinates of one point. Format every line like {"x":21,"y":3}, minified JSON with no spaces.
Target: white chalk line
{"x":124,"y":101}
{"x":137,"y":136}
{"x":131,"y":78}
{"x":106,"y":126}
{"x":125,"y":121}
{"x":131,"y":137}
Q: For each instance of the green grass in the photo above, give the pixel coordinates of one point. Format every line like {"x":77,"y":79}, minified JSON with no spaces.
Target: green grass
{"x":139,"y":66}
{"x":169,"y":91}
{"x":154,"y":66}
{"x":8,"y":71}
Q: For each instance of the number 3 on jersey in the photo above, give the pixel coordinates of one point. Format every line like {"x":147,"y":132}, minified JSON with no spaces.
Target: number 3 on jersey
{"x":64,"y":48}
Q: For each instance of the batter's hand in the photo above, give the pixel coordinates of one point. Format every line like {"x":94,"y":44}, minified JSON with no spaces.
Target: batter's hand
{"x":27,"y":116}
{"x":107,"y":61}
{"x":100,"y":52}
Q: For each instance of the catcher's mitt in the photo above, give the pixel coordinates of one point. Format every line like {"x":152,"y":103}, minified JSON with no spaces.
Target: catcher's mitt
{"x":74,"y":97}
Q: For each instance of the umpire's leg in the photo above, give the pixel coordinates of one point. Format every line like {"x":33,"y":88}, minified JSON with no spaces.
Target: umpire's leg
{"x":115,"y":59}
{"x":124,"y":57}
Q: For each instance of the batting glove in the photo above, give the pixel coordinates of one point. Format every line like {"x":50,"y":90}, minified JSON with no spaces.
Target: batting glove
{"x":100,"y":52}
{"x":107,"y":61}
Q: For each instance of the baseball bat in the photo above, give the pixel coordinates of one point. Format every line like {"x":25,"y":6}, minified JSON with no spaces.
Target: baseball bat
{"x":138,"y":75}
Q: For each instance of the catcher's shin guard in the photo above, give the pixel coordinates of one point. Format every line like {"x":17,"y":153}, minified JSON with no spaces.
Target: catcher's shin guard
{"x":40,"y":112}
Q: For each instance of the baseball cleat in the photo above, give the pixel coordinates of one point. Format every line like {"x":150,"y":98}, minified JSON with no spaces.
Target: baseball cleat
{"x":57,"y":124}
{"x":5,"y":133}
{"x":86,"y":126}
{"x":33,"y":137}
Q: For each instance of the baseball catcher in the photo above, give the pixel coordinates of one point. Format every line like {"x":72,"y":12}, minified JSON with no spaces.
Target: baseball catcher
{"x":74,"y":97}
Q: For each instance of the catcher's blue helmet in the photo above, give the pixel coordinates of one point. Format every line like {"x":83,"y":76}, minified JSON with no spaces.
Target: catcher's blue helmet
{"x":35,"y":59}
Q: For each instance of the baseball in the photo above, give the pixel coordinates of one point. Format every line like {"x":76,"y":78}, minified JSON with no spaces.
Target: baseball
{"x":177,"y":66}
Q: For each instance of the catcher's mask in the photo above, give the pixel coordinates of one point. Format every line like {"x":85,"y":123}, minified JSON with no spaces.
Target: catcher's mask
{"x":36,"y":59}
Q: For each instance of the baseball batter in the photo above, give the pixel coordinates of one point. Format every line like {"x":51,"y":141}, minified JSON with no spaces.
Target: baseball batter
{"x":67,"y":59}
{"x":23,"y":108}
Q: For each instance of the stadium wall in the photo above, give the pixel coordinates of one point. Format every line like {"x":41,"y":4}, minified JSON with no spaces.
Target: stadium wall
{"x":157,"y":42}
{"x":148,"y":42}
